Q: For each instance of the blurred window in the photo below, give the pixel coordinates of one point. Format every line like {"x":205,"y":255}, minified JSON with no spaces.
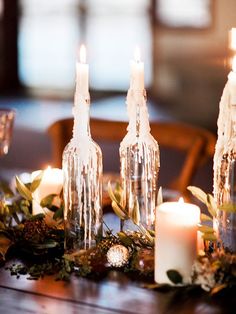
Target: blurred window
{"x":1,"y":8}
{"x":184,"y":13}
{"x":50,"y":33}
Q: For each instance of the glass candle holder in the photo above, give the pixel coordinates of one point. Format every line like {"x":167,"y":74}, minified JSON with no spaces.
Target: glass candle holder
{"x":225,"y":222}
{"x":140,"y":162}
{"x":82,"y":169}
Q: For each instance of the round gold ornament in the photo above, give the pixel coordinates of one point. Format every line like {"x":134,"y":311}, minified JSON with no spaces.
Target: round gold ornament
{"x":117,"y":255}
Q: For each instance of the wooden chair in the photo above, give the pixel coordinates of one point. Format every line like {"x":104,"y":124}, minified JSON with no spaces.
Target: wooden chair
{"x":198,"y":144}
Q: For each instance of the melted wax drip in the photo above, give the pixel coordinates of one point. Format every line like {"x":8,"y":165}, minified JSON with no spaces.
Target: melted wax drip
{"x":82,"y":166}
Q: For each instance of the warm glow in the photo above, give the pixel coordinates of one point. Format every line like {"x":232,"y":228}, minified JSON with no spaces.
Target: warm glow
{"x":234,"y":64}
{"x":181,"y":200}
{"x":233,"y":39}
{"x":48,"y":168}
{"x":137,"y":54}
{"x":82,"y":54}
{"x":180,"y":213}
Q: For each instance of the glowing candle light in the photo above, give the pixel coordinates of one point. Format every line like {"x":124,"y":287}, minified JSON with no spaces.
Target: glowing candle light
{"x":176,"y":239}
{"x":137,"y":72}
{"x":233,"y":39}
{"x":82,"y":73}
{"x":232,"y":82}
{"x":51,"y":183}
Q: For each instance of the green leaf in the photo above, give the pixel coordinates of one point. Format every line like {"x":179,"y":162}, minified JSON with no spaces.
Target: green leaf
{"x":118,"y":193}
{"x":36,"y":182}
{"x":174,"y":276}
{"x":204,"y":217}
{"x":135,"y":214}
{"x":119,"y":211}
{"x":211,"y":205}
{"x":49,"y":244}
{"x":159,"y":196}
{"x":209,"y":237}
{"x":218,"y":288}
{"x":47,"y":201}
{"x":126,"y":240}
{"x":5,"y":243}
{"x":152,"y":232}
{"x":147,"y":234}
{"x":58,"y":214}
{"x":6,"y":190}
{"x":111,"y":194}
{"x":229,"y":208}
{"x":36,"y":217}
{"x":2,"y":226}
{"x":198,"y":193}
{"x":23,"y":190}
{"x":206,"y":229}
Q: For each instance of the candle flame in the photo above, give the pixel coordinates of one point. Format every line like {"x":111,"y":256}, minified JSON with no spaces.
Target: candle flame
{"x":137,"y":54}
{"x":181,"y":200}
{"x":48,"y":168}
{"x":233,"y":39}
{"x":234,"y":64}
{"x":82,"y":54}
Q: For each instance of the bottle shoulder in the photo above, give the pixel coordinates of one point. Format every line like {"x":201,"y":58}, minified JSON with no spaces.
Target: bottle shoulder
{"x":132,"y":139}
{"x":81,"y":145}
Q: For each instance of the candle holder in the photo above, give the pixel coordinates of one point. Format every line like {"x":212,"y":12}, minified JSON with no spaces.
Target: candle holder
{"x":82,"y":168}
{"x":140,"y":162}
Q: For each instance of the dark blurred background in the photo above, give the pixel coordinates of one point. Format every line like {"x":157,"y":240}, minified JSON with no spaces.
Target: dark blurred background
{"x":184,"y":45}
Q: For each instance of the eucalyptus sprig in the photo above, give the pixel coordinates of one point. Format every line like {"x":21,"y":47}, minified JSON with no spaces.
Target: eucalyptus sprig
{"x":118,"y":205}
{"x":208,"y":232}
{"x":18,"y":224}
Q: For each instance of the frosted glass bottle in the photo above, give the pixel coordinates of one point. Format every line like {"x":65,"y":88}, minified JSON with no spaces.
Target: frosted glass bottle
{"x":140,"y":162}
{"x":82,"y":169}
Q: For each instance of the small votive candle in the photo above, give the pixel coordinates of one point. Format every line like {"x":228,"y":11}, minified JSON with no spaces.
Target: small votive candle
{"x":176,"y":239}
{"x":51,"y":183}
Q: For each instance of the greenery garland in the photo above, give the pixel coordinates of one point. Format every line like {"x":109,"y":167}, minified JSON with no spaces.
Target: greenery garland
{"x":41,"y":240}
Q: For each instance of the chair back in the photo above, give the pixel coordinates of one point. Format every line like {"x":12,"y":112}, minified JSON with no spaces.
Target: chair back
{"x":197,"y":144}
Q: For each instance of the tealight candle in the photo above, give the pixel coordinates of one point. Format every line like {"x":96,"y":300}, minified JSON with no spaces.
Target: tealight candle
{"x":82,"y":73}
{"x":175,"y":239}
{"x":137,"y":72}
{"x":51,"y":183}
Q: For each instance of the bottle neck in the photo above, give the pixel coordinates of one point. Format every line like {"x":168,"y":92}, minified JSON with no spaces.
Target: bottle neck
{"x":81,"y":129}
{"x":138,"y":114}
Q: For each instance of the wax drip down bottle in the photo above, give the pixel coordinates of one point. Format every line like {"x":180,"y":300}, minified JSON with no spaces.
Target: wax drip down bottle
{"x":139,"y":157}
{"x":82,"y":170}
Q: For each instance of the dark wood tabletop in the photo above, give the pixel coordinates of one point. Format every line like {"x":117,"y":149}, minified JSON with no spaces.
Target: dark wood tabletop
{"x":116,"y":293}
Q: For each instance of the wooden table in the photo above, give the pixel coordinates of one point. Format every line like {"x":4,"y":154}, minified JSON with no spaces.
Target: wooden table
{"x":115,"y":294}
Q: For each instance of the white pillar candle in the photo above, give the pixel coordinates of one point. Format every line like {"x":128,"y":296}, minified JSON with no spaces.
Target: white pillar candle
{"x":137,"y":72}
{"x":82,"y":73}
{"x":232,"y":82}
{"x":51,"y":183}
{"x":233,"y":39}
{"x":175,"y":239}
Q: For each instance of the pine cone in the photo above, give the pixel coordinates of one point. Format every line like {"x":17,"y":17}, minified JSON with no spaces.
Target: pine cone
{"x":107,"y":243}
{"x":35,"y":230}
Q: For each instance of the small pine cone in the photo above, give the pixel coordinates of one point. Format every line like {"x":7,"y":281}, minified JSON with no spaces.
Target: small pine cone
{"x":35,"y":230}
{"x":107,"y":243}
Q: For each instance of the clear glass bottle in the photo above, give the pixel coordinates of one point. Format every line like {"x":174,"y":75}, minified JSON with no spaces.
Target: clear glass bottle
{"x":82,"y":169}
{"x":140,"y":162}
{"x":225,"y":222}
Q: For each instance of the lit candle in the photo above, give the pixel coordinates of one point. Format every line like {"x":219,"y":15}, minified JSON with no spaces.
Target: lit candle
{"x":233,"y":39}
{"x":176,"y":239}
{"x":51,"y":183}
{"x":82,"y":73}
{"x":232,"y":82}
{"x":137,"y":72}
